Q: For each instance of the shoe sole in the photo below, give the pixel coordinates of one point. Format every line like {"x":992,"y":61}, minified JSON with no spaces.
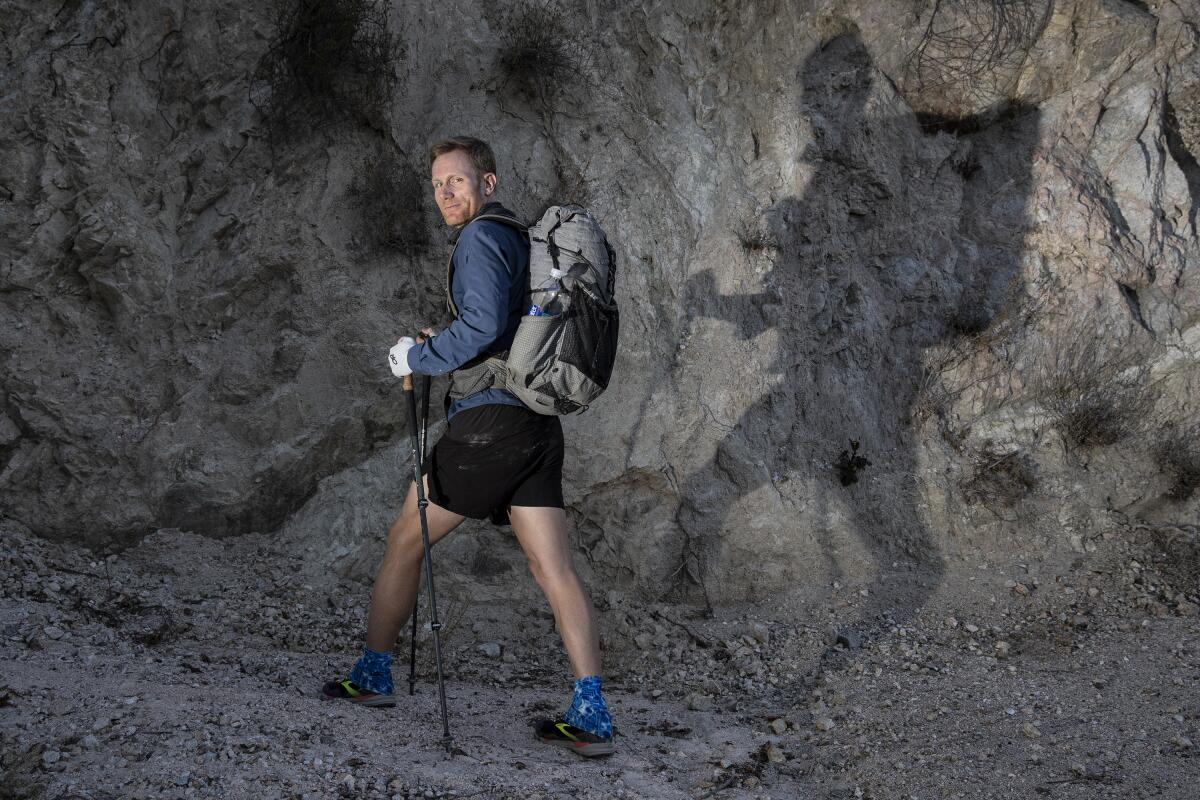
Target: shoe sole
{"x":379,"y":701}
{"x":585,"y":749}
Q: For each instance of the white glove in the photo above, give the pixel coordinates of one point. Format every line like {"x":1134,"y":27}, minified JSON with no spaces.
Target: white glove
{"x":398,"y":356}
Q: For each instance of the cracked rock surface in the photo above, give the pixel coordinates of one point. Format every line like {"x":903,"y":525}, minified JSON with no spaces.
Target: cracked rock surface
{"x":880,"y":301}
{"x":895,"y":490}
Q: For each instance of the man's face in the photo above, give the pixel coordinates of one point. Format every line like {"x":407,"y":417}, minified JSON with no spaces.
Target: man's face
{"x":458,"y":188}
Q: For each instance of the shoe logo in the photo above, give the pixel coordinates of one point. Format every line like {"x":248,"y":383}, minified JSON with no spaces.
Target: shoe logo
{"x":562,"y":728}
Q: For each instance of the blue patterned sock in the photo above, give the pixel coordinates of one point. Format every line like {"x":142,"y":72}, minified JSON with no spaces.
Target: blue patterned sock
{"x":373,"y":672}
{"x":588,"y":710}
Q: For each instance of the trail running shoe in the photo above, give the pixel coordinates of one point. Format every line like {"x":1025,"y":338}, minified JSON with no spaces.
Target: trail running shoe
{"x":577,"y":740}
{"x":348,"y":690}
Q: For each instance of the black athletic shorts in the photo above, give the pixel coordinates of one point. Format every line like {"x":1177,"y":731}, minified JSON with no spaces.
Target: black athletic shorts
{"x":495,"y":456}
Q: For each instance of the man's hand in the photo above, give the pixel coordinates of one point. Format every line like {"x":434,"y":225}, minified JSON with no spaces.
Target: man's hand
{"x":398,"y":357}
{"x":426,"y":333}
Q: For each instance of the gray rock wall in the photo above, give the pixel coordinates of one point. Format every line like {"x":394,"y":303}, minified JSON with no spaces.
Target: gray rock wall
{"x":982,"y":275}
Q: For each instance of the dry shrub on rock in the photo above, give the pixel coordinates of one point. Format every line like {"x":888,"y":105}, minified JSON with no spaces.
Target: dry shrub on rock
{"x":328,"y":60}
{"x":1099,"y":397}
{"x":755,"y":238}
{"x":978,"y":359}
{"x":541,"y":50}
{"x":999,"y":477}
{"x":969,"y":47}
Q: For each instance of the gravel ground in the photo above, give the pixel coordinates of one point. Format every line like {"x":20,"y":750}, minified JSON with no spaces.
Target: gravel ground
{"x":188,"y":667}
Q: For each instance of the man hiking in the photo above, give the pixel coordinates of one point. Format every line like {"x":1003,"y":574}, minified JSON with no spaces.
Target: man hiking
{"x":497,"y":459}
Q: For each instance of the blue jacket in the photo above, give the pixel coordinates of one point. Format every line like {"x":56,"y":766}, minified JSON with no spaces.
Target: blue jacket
{"x":490,"y":288}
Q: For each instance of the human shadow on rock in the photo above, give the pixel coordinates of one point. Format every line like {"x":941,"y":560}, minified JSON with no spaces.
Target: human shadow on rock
{"x":907,"y":235}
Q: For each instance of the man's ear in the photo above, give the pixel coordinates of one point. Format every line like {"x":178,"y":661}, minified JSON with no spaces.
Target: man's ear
{"x":489,"y":183}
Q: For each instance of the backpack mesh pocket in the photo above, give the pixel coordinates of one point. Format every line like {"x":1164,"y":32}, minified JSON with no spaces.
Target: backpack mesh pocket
{"x":589,"y":338}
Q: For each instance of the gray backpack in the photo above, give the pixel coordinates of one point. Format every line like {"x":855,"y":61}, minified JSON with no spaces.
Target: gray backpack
{"x":559,"y":364}
{"x":556,"y":364}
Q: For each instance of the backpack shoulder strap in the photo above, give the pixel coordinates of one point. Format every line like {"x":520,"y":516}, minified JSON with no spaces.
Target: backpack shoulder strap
{"x":510,"y":221}
{"x":502,"y":216}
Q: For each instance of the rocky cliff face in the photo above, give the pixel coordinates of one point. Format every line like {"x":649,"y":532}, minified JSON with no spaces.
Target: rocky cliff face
{"x":901,"y":284}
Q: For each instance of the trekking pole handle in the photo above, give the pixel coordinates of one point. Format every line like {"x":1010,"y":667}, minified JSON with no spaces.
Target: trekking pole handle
{"x":408,"y":384}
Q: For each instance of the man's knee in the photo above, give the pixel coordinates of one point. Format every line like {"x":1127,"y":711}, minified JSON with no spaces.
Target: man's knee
{"x":404,"y":538}
{"x":551,"y":573}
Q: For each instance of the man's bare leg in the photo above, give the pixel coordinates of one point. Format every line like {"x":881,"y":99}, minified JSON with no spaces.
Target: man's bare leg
{"x":395,"y":591}
{"x":542,"y":533}
{"x":586,"y":728}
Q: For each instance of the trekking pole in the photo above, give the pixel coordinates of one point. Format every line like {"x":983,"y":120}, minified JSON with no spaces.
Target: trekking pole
{"x":426,"y":380}
{"x":422,"y":504}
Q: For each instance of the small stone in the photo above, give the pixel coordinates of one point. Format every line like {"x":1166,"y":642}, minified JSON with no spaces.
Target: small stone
{"x":1186,"y":609}
{"x":1020,"y":589}
{"x":644,"y":641}
{"x":824,"y":724}
{"x":51,"y":757}
{"x":54,"y":632}
{"x":346,"y":782}
{"x":1030,"y":731}
{"x":775,"y":755}
{"x":779,"y":726}
{"x":760,"y":632}
{"x":184,"y":779}
{"x":700,"y":702}
{"x":970,"y":628}
{"x":1182,"y":742}
{"x":508,"y":658}
{"x":1002,"y":649}
{"x":89,"y":742}
{"x":490,"y":649}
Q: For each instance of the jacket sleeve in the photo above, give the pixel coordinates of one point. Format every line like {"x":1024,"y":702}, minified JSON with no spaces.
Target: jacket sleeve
{"x":484,"y":278}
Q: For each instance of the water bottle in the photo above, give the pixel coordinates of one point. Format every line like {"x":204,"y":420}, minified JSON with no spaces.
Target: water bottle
{"x":546,"y":298}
